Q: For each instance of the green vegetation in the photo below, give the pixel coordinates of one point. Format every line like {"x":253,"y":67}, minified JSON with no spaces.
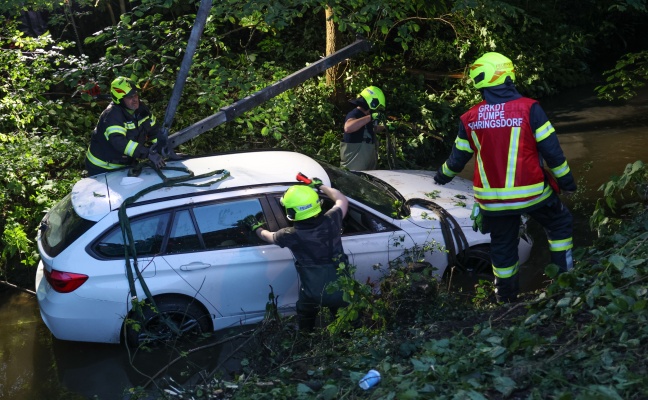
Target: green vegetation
{"x":582,"y":337}
{"x":49,"y":106}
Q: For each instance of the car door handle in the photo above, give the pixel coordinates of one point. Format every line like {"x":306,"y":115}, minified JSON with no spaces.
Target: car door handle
{"x":194,"y":266}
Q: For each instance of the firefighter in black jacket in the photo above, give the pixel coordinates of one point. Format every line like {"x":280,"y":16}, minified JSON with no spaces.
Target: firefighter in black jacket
{"x":316,"y":243}
{"x":123,"y":130}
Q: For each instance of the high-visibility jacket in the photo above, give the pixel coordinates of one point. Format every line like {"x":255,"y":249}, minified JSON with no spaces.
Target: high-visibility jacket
{"x":120,"y":136}
{"x":509,"y":140}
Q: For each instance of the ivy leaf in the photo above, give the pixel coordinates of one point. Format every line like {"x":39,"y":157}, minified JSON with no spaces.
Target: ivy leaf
{"x":409,"y":394}
{"x":618,"y":261}
{"x":551,"y":270}
{"x":505,"y":385}
{"x":600,"y":391}
{"x":329,"y":392}
{"x":418,"y":365}
{"x":497,"y":351}
{"x":303,"y":389}
{"x":566,"y":280}
{"x":638,"y":306}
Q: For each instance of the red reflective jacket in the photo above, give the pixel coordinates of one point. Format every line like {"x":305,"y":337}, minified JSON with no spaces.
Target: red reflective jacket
{"x":508,"y":173}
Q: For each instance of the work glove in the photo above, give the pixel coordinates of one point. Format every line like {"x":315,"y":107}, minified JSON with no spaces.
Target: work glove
{"x":156,"y":159}
{"x":379,"y":117}
{"x":315,"y":183}
{"x":253,"y":223}
{"x":477,"y":219}
{"x":440,"y":178}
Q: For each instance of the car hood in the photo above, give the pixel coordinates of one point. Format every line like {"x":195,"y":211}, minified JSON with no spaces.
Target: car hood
{"x":455,"y":197}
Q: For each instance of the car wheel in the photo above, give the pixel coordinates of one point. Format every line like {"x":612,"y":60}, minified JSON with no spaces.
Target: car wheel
{"x":473,"y":266}
{"x":176,"y":318}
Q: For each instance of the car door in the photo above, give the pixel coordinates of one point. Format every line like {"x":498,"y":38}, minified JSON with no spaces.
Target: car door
{"x":368,"y":239}
{"x":226,"y":265}
{"x":109,"y":275}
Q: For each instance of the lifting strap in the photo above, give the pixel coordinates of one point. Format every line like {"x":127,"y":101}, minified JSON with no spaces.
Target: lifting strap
{"x":127,"y":234}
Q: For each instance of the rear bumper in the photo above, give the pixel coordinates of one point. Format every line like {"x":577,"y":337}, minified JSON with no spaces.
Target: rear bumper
{"x":70,"y":317}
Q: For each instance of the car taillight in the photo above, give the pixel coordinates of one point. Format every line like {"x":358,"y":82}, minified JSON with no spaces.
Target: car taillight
{"x":64,"y":282}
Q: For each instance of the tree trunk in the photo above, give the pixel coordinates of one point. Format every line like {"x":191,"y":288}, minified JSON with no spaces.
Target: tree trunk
{"x":333,"y":77}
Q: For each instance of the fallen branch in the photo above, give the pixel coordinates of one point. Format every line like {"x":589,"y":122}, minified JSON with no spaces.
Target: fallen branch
{"x":18,"y":287}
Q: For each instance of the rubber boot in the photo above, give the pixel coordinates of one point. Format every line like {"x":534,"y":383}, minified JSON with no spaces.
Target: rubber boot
{"x":507,"y":289}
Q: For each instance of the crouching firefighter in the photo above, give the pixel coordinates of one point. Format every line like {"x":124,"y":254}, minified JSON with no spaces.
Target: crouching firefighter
{"x":316,"y":243}
{"x":124,"y":129}
{"x":510,"y":135}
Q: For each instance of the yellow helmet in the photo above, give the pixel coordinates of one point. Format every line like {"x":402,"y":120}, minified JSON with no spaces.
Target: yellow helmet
{"x":373,"y":96}
{"x":301,"y":202}
{"x":122,"y":87}
{"x":491,"y":69}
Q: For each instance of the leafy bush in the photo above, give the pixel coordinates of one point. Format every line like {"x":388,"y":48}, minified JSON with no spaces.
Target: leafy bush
{"x":42,"y":140}
{"x":583,"y":337}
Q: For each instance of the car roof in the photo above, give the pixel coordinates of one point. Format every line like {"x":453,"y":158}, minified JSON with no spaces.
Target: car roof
{"x":96,"y":196}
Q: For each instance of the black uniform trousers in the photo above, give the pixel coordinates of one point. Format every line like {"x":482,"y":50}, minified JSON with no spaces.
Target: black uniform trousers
{"x":313,"y":294}
{"x":504,"y":230}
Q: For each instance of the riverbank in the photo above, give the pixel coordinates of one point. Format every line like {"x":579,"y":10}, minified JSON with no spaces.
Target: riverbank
{"x":581,"y":337}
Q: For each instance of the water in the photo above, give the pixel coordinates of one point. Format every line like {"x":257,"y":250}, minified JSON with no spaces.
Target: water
{"x":598,"y":138}
{"x":35,"y":366}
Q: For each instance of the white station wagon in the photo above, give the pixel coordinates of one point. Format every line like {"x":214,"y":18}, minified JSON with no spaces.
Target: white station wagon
{"x":199,"y":262}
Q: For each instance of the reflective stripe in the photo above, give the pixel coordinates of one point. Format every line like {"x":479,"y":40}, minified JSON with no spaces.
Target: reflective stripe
{"x":544,"y":131}
{"x":560,"y":245}
{"x":508,"y":193}
{"x":130,"y":148}
{"x":114,"y":129}
{"x":100,"y":163}
{"x":506,"y":272}
{"x":561,"y":170}
{"x":512,"y":158}
{"x":480,"y":162}
{"x":517,"y":205}
{"x":569,"y":260}
{"x":447,"y":171}
{"x":463,"y":145}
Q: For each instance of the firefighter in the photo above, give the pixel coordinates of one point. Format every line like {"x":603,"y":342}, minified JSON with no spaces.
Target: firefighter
{"x":124,"y":129}
{"x":519,"y":169}
{"x":359,"y":144}
{"x":315,"y":240}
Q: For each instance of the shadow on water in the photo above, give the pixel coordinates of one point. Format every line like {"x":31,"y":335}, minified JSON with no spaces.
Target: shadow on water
{"x":33,"y":365}
{"x":598,"y":138}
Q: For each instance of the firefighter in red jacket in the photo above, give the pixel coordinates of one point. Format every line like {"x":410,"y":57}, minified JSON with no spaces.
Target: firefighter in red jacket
{"x":124,"y":129}
{"x":519,"y":169}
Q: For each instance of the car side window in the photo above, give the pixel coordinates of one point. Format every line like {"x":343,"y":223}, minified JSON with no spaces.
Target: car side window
{"x":222,"y":226}
{"x":148,"y":233}
{"x":357,"y":221}
{"x":183,"y":237}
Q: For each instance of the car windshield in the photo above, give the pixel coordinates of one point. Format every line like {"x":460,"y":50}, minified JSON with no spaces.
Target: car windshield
{"x":368,"y":191}
{"x":62,"y":226}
